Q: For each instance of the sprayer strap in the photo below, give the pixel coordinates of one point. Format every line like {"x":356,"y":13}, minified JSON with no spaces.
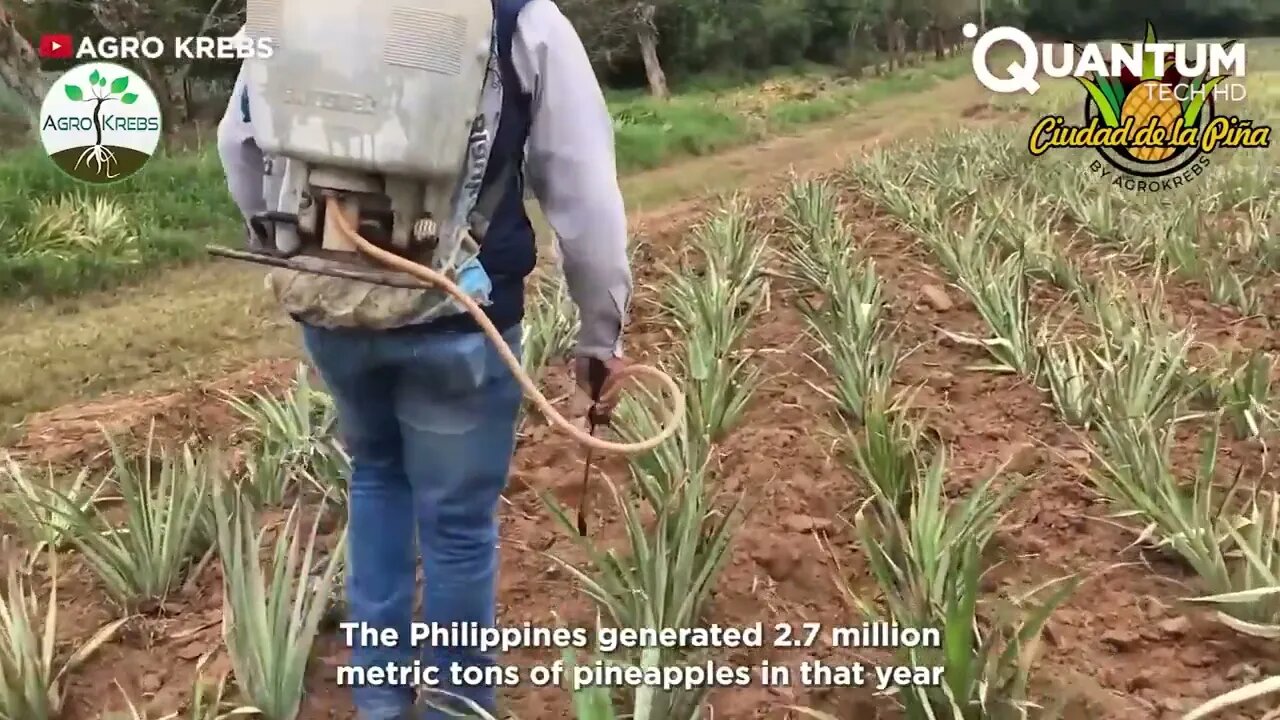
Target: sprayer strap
{"x":490,"y":197}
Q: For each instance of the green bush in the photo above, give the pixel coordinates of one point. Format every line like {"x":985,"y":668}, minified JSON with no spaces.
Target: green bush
{"x":54,"y":241}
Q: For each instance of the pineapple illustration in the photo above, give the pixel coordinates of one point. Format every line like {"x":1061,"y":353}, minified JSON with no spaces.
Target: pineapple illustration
{"x":1150,"y":97}
{"x":1147,"y":100}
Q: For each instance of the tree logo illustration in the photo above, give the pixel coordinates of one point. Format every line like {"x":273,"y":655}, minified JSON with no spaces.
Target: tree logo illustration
{"x":100,"y":123}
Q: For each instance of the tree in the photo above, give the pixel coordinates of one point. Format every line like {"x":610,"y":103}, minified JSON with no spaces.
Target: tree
{"x":169,"y":18}
{"x":613,"y":28}
{"x":19,"y":65}
{"x":653,"y":43}
{"x":647,"y":38}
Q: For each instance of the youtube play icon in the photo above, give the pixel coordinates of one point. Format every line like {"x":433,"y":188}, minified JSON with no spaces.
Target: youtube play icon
{"x":57,"y":47}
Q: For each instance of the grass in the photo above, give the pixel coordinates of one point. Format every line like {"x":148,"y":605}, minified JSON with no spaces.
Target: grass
{"x":166,"y":213}
{"x":649,"y":134}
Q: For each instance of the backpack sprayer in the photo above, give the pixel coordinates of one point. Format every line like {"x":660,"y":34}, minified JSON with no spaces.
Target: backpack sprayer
{"x":373,"y":109}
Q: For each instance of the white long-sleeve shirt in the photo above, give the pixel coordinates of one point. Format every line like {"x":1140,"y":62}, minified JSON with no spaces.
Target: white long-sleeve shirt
{"x":569,"y":164}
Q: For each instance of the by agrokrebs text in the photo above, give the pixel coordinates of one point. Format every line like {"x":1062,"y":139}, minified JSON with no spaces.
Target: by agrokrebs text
{"x":153,"y":47}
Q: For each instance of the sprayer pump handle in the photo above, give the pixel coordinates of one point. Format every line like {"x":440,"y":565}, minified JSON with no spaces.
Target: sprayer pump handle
{"x":597,"y":374}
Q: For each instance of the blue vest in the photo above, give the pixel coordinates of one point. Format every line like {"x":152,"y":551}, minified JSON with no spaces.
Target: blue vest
{"x":509,"y":250}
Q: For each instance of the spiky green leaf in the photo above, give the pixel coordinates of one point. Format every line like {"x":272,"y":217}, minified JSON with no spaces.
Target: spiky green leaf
{"x":1196,"y":106}
{"x":1110,"y":113}
{"x":1149,"y":69}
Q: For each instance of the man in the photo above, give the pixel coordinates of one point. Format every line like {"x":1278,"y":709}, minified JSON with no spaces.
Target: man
{"x":428,"y":410}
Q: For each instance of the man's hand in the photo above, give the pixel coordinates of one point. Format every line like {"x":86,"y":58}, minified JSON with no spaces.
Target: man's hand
{"x":596,"y":378}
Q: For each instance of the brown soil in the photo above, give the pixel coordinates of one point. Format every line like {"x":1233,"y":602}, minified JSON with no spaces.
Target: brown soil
{"x":1119,"y":648}
{"x":78,"y":434}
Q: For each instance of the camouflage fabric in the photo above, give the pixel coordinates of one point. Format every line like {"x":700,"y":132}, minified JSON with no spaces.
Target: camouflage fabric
{"x":332,"y":302}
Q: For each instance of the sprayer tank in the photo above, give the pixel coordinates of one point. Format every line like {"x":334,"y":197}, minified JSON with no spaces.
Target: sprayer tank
{"x":387,"y":87}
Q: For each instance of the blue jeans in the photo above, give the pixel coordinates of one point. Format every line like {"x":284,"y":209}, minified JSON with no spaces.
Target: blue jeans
{"x":429,"y":420}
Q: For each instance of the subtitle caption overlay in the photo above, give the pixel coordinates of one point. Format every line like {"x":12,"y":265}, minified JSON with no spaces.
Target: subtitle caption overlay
{"x":605,"y":641}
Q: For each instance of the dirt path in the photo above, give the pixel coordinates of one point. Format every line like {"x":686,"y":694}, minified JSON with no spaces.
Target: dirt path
{"x":214,"y":319}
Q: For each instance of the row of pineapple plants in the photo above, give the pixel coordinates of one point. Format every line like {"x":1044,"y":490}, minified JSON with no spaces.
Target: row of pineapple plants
{"x":989,"y":219}
{"x":679,"y":525}
{"x":679,"y":530}
{"x":926,"y":551}
{"x":149,"y":528}
{"x":153,"y":523}
{"x":1129,"y":380}
{"x":1218,"y":233}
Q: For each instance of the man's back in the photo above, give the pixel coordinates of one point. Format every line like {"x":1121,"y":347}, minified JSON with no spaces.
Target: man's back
{"x":426,"y":407}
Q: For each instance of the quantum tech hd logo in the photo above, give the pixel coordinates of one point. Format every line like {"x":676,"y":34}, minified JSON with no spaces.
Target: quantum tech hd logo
{"x":1151,"y":109}
{"x":100,"y":123}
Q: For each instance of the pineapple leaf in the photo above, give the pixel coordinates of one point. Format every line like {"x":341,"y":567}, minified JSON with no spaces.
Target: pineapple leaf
{"x":1106,"y":108}
{"x":1149,"y":69}
{"x":1192,"y":90}
{"x":1114,"y":91}
{"x":1192,"y":115}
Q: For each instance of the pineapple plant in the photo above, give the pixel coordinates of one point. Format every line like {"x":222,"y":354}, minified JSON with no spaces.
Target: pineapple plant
{"x":1151,"y":97}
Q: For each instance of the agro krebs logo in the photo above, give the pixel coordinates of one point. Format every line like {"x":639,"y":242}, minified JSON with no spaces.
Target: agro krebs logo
{"x":1153,"y":130}
{"x":100,"y":123}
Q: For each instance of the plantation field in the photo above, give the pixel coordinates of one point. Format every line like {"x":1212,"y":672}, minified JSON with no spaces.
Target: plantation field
{"x":54,"y":243}
{"x":207,"y":319}
{"x":931,"y":379}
